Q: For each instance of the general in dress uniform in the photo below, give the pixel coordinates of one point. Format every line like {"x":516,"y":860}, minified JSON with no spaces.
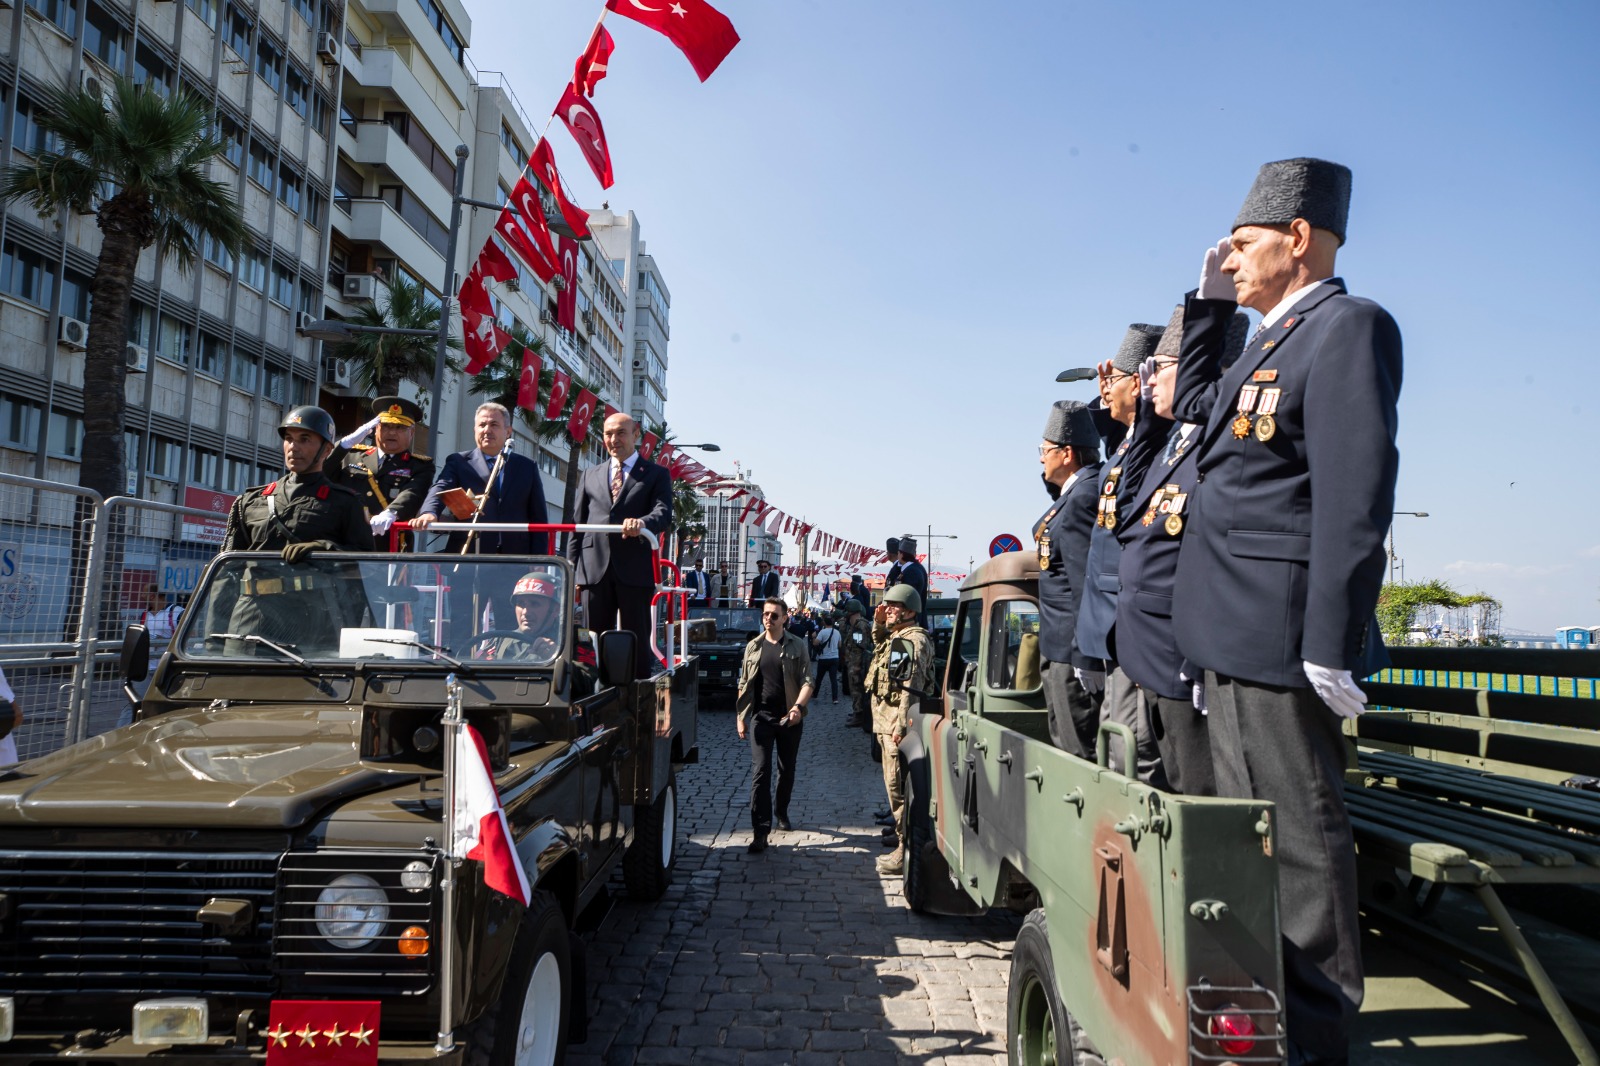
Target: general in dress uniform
{"x":391,"y":479}
{"x":1280,"y":569}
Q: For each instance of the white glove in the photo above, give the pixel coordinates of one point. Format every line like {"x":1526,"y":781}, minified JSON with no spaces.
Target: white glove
{"x":1091,"y":680}
{"x":1147,"y":374}
{"x":359,"y":435}
{"x":1199,"y":697}
{"x":381,"y":522}
{"x":1214,"y":284}
{"x":1337,"y":688}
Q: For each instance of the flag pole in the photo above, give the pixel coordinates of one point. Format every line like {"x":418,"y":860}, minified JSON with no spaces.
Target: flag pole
{"x":452,"y":724}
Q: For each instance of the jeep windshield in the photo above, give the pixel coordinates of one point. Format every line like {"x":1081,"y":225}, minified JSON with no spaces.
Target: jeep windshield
{"x":735,"y":621}
{"x":456,"y":610}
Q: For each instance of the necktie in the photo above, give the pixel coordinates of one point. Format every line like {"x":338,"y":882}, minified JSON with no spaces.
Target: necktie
{"x":616,"y":482}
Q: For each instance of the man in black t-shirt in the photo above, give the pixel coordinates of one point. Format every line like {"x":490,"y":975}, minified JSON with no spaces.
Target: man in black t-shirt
{"x":774,"y":688}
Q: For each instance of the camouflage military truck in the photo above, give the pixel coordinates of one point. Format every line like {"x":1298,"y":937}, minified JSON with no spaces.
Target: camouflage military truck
{"x":269,"y":832}
{"x":1152,"y":929}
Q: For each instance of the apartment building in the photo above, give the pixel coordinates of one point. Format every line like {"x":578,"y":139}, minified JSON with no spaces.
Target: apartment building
{"x":647,"y":324}
{"x":728,"y":539}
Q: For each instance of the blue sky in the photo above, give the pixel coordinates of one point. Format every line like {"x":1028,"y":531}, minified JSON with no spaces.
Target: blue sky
{"x":886,"y":226}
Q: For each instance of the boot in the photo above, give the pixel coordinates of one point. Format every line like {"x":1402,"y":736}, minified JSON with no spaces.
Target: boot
{"x":893,"y":863}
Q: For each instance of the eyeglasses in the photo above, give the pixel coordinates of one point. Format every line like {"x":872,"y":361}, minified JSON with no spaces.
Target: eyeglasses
{"x":1116,"y":376}
{"x":770,"y":614}
{"x":1047,"y":448}
{"x":1162,"y":364}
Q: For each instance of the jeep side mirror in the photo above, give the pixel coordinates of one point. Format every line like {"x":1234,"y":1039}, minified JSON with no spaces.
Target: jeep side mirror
{"x":136,"y":652}
{"x":618,"y":648}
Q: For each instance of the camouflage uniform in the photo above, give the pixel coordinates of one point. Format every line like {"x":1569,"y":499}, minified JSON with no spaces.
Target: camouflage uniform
{"x":892,"y":701}
{"x":857,"y":654}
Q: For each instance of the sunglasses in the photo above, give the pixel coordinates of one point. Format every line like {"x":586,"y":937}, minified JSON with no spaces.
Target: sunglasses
{"x":771,"y":614}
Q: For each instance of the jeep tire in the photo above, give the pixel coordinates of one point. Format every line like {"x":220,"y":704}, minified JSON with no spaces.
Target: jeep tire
{"x":1039,"y":1029}
{"x":915,"y":882}
{"x":527,"y":1026}
{"x":647,"y":864}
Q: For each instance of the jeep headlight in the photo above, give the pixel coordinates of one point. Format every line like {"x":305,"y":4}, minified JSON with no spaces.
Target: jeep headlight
{"x":351,"y":911}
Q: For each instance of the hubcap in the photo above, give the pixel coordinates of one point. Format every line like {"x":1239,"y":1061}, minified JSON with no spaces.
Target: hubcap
{"x":540,"y":1023}
{"x":1036,"y":1030}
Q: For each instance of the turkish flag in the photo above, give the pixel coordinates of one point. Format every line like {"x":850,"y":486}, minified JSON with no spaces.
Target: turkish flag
{"x":473,"y":296}
{"x":542,"y":163}
{"x":584,"y":124}
{"x":591,"y":66}
{"x":483,"y":338}
{"x":478,"y":823}
{"x":322,"y":1032}
{"x":528,"y":384}
{"x":582,"y":413}
{"x":511,"y":230}
{"x":701,"y":32}
{"x":559,"y":384}
{"x":647,"y":445}
{"x":567,"y":298}
{"x":525,"y":197}
{"x":496,"y":264}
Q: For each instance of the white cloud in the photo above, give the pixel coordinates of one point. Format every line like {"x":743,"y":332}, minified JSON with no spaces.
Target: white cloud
{"x":1591,"y":553}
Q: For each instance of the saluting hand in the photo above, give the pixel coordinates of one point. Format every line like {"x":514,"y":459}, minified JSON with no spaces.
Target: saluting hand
{"x":1147,"y":374}
{"x":1214,"y":284}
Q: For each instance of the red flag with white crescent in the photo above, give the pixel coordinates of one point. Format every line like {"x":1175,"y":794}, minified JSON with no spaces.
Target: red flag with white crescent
{"x":609,"y":410}
{"x":528,"y":384}
{"x":567,"y":298}
{"x":560,"y":382}
{"x":479,"y":821}
{"x":542,"y":165}
{"x":483,"y":338}
{"x":647,"y":445}
{"x":701,"y":32}
{"x":591,"y":65}
{"x":582,"y":415}
{"x":525,"y":197}
{"x":322,"y":1032}
{"x":514,"y":235}
{"x":494,"y":263}
{"x":473,"y":295}
{"x":583,"y":122}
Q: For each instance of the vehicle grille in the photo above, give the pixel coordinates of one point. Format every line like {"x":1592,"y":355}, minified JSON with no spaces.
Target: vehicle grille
{"x":119,"y":922}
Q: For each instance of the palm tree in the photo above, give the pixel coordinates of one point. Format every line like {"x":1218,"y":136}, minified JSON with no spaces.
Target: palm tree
{"x":383,"y":361}
{"x":140,"y":165}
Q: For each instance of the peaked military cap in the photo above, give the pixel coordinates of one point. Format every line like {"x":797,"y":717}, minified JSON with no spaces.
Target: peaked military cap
{"x":1313,"y":189}
{"x":1070,"y":424}
{"x":396,"y":411}
{"x":1138,"y":344}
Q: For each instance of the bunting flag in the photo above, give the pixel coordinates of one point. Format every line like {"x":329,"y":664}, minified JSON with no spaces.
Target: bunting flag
{"x":526,"y":198}
{"x":511,"y":230}
{"x":701,"y":32}
{"x":483,"y":338}
{"x":560,"y":382}
{"x":567,"y":298}
{"x":528,"y":384}
{"x":591,"y":65}
{"x":494,"y":263}
{"x":647,"y":444}
{"x":542,"y":163}
{"x":583,"y":123}
{"x":582,"y":415}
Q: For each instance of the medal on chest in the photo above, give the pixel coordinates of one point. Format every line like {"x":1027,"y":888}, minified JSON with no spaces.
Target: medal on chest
{"x":1174,"y":510}
{"x":1107,"y":516}
{"x":1041,"y":536}
{"x":1246,"y":404}
{"x":1266,"y":424}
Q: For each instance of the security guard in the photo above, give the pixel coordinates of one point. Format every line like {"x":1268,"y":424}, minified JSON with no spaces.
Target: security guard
{"x":900,"y":674}
{"x":300,"y":513}
{"x":391,"y":479}
{"x":857,"y":652}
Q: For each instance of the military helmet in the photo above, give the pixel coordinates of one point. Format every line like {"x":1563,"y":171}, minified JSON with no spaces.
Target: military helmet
{"x":315,"y":419}
{"x":905,"y":596}
{"x":533,"y":585}
{"x":852,"y":606}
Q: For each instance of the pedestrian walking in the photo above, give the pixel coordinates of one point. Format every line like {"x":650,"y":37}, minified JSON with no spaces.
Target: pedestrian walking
{"x":825,"y":643}
{"x":774,"y":688}
{"x":899,"y":678}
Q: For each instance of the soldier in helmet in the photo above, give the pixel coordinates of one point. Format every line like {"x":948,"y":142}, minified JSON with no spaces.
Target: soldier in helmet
{"x":391,"y":479}
{"x":900,"y":674}
{"x":537,"y":605}
{"x":857,"y":652}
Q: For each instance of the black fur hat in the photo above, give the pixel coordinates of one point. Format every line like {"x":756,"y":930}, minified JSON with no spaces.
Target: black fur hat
{"x":1313,"y":189}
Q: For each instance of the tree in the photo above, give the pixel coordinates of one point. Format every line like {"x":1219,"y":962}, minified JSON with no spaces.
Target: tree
{"x":1398,"y":604}
{"x":140,"y":166}
{"x":383,"y":361}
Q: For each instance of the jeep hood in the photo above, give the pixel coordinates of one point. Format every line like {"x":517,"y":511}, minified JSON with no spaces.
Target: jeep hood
{"x":260,"y":767}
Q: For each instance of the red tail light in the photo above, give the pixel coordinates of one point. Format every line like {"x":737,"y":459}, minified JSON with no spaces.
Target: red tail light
{"x":1235,"y":1033}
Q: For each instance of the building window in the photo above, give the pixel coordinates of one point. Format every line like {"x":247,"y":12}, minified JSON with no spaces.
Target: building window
{"x":274,"y":384}
{"x":75,"y":296}
{"x":422,"y":147}
{"x":242,"y":371}
{"x":65,"y":438}
{"x":253,"y":270}
{"x":141,"y":324}
{"x":282,"y":285}
{"x":269,"y":64}
{"x":410,"y":208}
{"x":209,"y":354}
{"x":26,"y":275}
{"x":289,"y":188}
{"x":151,"y":71}
{"x":216,"y":253}
{"x":19,"y":421}
{"x":172,"y":340}
{"x":518,"y":154}
{"x":346,"y":186}
{"x":63,"y":13}
{"x":206,"y":9}
{"x":241,"y":472}
{"x":231,"y":134}
{"x":26,"y":133}
{"x":447,"y":34}
{"x":303,"y":388}
{"x":310,"y":299}
{"x":165,"y":460}
{"x":239,"y":29}
{"x":316,"y":206}
{"x":303,"y":9}
{"x":104,"y":38}
{"x":260,"y":169}
{"x":296,"y":89}
{"x":320,"y":110}
{"x":203,"y":467}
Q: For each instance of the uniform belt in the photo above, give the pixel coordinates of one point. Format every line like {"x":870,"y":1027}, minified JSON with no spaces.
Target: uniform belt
{"x":277,"y":586}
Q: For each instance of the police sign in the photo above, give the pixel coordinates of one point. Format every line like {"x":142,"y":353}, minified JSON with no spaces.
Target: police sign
{"x":179,"y":576}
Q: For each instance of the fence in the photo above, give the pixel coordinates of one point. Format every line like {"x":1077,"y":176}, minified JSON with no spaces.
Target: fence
{"x":74,"y":571}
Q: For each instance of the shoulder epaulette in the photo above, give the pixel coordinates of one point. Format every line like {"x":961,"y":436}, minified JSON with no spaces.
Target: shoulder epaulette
{"x":361,"y":448}
{"x":422,"y":458}
{"x":265,"y":490}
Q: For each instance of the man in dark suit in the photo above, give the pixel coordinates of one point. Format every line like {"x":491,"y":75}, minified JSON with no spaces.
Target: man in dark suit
{"x":914,"y":574}
{"x":1070,"y":456}
{"x":1280,"y":571}
{"x":697,"y":579}
{"x":892,"y":578}
{"x":764,"y":585}
{"x":517,"y":495}
{"x":615,"y":572}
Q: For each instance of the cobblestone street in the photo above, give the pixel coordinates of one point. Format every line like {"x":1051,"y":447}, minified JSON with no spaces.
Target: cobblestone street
{"x":802,"y":954}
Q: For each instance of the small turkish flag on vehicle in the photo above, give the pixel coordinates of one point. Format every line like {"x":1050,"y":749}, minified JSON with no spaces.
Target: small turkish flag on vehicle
{"x":701,"y":32}
{"x":528,"y":386}
{"x":315,"y":1032}
{"x":560,"y":382}
{"x":591,"y":66}
{"x":583,"y":122}
{"x":481,"y":832}
{"x":582,"y":415}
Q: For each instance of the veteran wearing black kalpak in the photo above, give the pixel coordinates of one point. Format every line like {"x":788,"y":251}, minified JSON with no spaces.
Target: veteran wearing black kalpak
{"x":391,"y":479}
{"x":1070,"y":455}
{"x":1097,"y":614}
{"x":1280,"y":571}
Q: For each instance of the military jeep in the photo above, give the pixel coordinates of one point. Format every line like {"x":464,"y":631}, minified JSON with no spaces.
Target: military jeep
{"x":271,"y":827}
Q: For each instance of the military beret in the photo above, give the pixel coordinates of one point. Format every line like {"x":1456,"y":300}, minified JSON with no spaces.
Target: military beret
{"x":1313,"y":189}
{"x":1138,"y":344}
{"x":1070,"y":423}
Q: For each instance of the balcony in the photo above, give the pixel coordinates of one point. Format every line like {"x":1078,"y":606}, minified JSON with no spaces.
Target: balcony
{"x":384,"y":71}
{"x":405,"y":18}
{"x":377,"y":144}
{"x":375,"y":222}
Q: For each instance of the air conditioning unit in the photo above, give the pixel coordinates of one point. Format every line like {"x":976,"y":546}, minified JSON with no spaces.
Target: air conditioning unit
{"x":514,"y":285}
{"x":138,"y":359}
{"x":547,"y":316}
{"x":339,"y":373}
{"x":328,"y":48}
{"x":71,"y":333}
{"x":302,"y":319}
{"x":360,"y":286}
{"x":90,"y":81}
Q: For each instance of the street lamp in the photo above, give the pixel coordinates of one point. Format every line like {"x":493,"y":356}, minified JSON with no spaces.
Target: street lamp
{"x":702,"y":447}
{"x":1081,"y":373}
{"x":1393,"y":559}
{"x":932,"y":536}
{"x":338,"y":331}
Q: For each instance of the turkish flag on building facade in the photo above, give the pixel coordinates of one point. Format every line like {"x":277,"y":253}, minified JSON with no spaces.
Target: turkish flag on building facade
{"x":647,"y":445}
{"x":473,"y":295}
{"x":559,"y":384}
{"x":583,"y":122}
{"x":701,"y":32}
{"x":591,"y":66}
{"x":526,"y":199}
{"x":542,"y":164}
{"x":528,"y":384}
{"x":482,"y":337}
{"x":567,"y":298}
{"x":514,"y":235}
{"x":479,"y":824}
{"x":582,"y":414}
{"x":322,"y":1032}
{"x":494,"y":263}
